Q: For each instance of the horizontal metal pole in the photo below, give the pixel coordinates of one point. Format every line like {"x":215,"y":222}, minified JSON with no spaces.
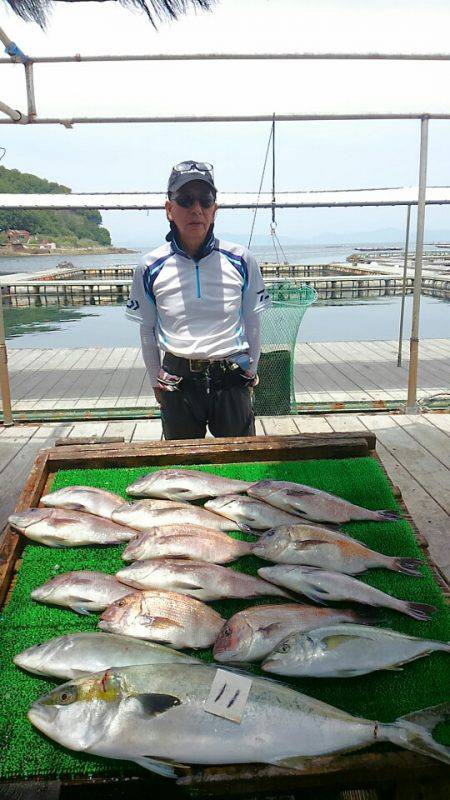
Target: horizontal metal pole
{"x":78,"y":58}
{"x":69,"y":122}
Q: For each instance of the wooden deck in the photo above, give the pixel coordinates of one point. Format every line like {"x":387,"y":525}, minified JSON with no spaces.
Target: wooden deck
{"x":415,"y":451}
{"x":326,"y":372}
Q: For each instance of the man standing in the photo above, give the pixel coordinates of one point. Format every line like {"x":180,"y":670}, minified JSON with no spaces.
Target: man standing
{"x":198,"y":301}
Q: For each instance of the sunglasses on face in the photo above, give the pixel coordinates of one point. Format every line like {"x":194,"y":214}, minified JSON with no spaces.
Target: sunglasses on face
{"x":188,"y":199}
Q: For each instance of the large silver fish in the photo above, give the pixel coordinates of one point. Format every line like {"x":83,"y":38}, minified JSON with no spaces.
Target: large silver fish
{"x":155,"y":715}
{"x":185,"y":484}
{"x":322,"y":586}
{"x":83,"y":591}
{"x":84,"y":498}
{"x":249,"y":512}
{"x":185,"y":514}
{"x":343,"y":651}
{"x":188,"y":541}
{"x":195,"y":579}
{"x":140,"y":515}
{"x":252,"y":634}
{"x":58,"y":527}
{"x":78,"y":654}
{"x":164,"y":617}
{"x":306,"y":501}
{"x":320,"y":547}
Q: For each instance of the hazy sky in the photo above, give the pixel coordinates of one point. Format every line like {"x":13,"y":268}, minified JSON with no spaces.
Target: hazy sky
{"x":326,"y":155}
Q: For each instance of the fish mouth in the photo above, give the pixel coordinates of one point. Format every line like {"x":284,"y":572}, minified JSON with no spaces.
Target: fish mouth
{"x":42,"y":716}
{"x":104,"y":625}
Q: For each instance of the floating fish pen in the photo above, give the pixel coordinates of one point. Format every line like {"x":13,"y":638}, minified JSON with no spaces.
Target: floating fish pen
{"x":345,"y":464}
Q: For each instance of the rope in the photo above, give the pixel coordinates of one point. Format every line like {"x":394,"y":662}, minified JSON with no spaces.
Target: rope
{"x":260,"y":187}
{"x":275,"y":237}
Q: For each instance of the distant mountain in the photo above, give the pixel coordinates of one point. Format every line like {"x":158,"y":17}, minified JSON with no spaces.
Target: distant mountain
{"x":76,"y":227}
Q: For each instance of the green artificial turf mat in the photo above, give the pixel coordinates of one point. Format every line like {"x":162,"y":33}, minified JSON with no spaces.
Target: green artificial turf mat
{"x":381,"y":695}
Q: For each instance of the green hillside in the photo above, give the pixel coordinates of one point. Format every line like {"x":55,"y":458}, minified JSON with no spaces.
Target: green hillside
{"x":62,"y":227}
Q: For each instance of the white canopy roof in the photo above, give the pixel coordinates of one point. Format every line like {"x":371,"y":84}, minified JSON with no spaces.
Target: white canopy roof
{"x":406,"y":195}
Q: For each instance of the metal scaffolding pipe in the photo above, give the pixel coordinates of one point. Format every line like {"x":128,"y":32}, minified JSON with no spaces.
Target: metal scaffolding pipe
{"x":29,"y":80}
{"x":77,"y":58}
{"x":405,"y":268}
{"x":411,"y":403}
{"x":15,"y":115}
{"x":69,"y":122}
{"x":4,"y":376}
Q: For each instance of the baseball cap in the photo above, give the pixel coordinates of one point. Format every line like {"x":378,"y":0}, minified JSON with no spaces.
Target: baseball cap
{"x":187,"y":171}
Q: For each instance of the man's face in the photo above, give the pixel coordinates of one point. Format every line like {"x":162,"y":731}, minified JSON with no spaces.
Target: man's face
{"x":194,"y":221}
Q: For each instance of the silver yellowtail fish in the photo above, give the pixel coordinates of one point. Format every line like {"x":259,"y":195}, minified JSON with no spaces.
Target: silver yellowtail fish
{"x":195,"y":579}
{"x":343,"y":651}
{"x":249,"y":512}
{"x":319,"y":547}
{"x":185,"y":484}
{"x":306,"y":501}
{"x":164,"y":617}
{"x":186,"y":515}
{"x":78,"y":654}
{"x":58,"y":527}
{"x":252,"y":634}
{"x":188,"y":541}
{"x":322,"y":586}
{"x":155,"y":715}
{"x":83,"y":591}
{"x":140,"y":515}
{"x":84,"y":498}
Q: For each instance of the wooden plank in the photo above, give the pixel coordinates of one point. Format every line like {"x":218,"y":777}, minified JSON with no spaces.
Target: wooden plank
{"x":278,"y":426}
{"x":312,"y":424}
{"x":41,"y":394}
{"x":95,"y":440}
{"x":88,"y":429}
{"x":441,"y":421}
{"x":333,"y":379}
{"x":71,"y":383}
{"x":67,"y":378}
{"x":147,"y":430}
{"x":109,"y":394}
{"x":345,"y":423}
{"x":435,"y":441}
{"x":125,"y":429}
{"x":352,"y":369}
{"x":93,"y":380}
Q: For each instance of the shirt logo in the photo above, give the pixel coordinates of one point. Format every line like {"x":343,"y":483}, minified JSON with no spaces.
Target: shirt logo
{"x":133,"y":305}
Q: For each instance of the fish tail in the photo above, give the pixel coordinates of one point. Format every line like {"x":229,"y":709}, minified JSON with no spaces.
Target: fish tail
{"x":407,"y":566}
{"x":421,"y":611}
{"x":368,"y":616}
{"x":386,"y":515}
{"x":414,"y":732}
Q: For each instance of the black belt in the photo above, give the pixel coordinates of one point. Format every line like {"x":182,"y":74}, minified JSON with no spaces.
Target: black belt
{"x":196,"y":367}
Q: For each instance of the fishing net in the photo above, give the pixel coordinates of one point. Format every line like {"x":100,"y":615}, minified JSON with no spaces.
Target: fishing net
{"x":275,"y":393}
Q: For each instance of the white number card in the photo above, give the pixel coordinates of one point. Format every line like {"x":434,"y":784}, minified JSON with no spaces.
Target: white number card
{"x":228,"y":695}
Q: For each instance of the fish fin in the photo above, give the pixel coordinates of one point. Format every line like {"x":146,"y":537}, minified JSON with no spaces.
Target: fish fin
{"x":397,"y":669}
{"x":80,"y":610}
{"x":299,"y":492}
{"x":153,"y":704}
{"x":388,"y":515}
{"x":269,"y":629}
{"x":62,"y":520}
{"x":292,"y":762}
{"x":164,"y":768}
{"x":421,"y":611}
{"x":414,"y":731}
{"x":332,"y":642}
{"x":309,"y":543}
{"x":315,"y":593}
{"x":162,"y":623}
{"x":408,"y":566}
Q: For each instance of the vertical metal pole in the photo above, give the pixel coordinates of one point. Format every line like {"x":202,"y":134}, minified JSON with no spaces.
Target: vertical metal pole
{"x":29,"y":80}
{"x":4,"y":377}
{"x":405,"y":267}
{"x":273,"y":169}
{"x":411,"y":403}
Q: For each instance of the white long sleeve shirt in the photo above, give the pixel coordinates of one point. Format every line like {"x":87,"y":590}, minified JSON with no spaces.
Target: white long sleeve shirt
{"x":209,"y":308}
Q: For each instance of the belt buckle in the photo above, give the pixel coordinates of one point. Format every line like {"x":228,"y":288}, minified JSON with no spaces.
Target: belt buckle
{"x":198,"y":364}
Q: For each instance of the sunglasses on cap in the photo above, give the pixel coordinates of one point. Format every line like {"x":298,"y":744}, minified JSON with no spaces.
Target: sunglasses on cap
{"x":189,"y":166}
{"x":188,"y":199}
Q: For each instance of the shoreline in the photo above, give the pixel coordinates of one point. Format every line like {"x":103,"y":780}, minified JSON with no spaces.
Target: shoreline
{"x":70,"y":251}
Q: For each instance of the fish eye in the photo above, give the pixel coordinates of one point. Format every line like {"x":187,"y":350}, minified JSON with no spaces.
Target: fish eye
{"x":284,"y":648}
{"x":121,"y":603}
{"x":227,"y":630}
{"x":67,"y":696}
{"x":271,"y":532}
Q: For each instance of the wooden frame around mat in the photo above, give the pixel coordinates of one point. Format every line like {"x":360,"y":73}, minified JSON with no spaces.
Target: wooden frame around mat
{"x":399,"y":768}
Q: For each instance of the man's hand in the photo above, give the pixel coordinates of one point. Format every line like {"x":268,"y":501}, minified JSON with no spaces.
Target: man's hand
{"x":251,"y":378}
{"x":165,"y":383}
{"x":158,"y":394}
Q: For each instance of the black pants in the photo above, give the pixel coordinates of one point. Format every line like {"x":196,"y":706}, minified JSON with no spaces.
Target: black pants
{"x":223,"y":402}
